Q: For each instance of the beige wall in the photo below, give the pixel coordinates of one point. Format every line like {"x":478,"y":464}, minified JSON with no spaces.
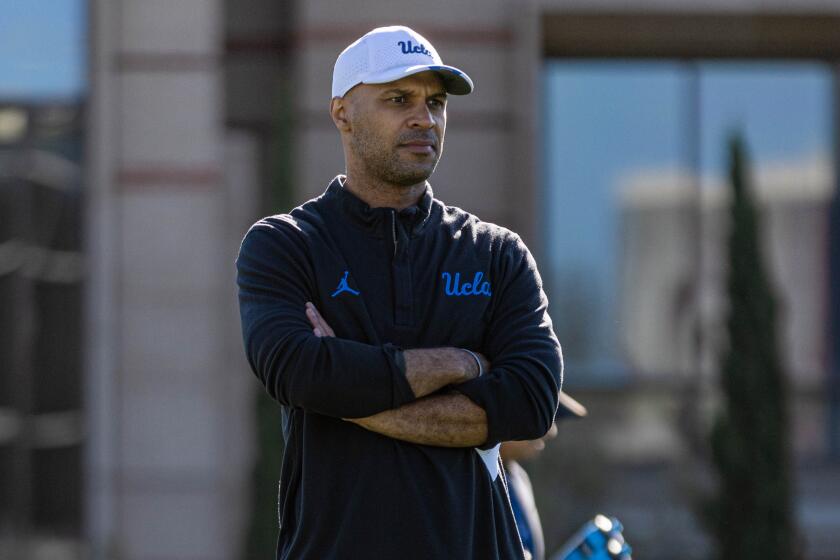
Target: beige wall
{"x":168,"y":403}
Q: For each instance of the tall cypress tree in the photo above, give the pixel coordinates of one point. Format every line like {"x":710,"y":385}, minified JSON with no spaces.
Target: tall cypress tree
{"x":752,"y":515}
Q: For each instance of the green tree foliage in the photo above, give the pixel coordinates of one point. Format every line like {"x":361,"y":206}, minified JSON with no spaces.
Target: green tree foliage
{"x":752,"y":516}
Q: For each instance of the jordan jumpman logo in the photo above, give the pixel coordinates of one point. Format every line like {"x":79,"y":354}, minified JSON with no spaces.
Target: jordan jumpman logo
{"x":343,"y":287}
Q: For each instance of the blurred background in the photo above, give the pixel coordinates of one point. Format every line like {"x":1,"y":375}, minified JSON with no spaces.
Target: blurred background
{"x":140,"y":138}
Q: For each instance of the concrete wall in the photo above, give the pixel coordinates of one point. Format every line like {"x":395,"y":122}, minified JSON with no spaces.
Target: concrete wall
{"x":167,"y":399}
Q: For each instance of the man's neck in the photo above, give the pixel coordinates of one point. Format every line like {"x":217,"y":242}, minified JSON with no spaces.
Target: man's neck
{"x":385,"y":195}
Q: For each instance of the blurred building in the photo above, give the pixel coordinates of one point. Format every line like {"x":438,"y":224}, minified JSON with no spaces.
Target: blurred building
{"x":659,"y":215}
{"x":204,"y":115}
{"x":42,"y":271}
{"x":658,"y":274}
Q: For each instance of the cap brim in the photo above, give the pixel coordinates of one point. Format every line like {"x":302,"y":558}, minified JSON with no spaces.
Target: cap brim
{"x":455,"y":81}
{"x":569,"y":407}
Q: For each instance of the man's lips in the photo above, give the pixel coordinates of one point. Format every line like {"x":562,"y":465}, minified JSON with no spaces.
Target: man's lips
{"x":419,"y":146}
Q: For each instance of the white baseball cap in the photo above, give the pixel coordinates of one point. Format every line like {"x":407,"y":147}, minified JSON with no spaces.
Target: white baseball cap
{"x":390,"y":53}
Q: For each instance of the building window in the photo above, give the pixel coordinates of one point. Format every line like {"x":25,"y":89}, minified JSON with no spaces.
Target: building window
{"x":636,"y":217}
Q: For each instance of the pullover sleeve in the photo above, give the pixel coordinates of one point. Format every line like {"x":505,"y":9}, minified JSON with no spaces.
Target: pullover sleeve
{"x":331,"y":376}
{"x":519,"y":393}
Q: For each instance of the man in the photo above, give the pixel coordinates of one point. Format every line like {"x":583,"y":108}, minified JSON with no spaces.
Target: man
{"x":373,"y":313}
{"x":519,"y":483}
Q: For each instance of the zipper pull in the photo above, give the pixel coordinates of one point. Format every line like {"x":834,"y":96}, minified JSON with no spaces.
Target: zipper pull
{"x":394,"y":230}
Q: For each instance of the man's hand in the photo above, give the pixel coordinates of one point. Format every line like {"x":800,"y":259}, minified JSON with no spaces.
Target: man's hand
{"x":450,"y":420}
{"x":319,"y":326}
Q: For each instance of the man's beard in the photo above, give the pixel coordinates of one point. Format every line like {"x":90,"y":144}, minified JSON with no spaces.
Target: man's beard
{"x":383,"y":161}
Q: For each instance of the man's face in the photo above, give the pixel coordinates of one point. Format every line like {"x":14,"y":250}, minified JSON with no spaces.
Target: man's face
{"x":395,"y":131}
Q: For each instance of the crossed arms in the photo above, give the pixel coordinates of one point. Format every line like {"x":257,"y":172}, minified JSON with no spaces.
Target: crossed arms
{"x":385,"y":389}
{"x":447,"y":420}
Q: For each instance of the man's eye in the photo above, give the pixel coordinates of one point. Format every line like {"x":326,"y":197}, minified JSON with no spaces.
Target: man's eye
{"x":436,"y":103}
{"x":398,"y":99}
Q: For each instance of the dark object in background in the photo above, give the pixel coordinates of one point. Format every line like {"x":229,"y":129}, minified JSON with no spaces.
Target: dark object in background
{"x":261,"y":534}
{"x":752,"y":515}
{"x":41,"y":327}
{"x":833,"y":381}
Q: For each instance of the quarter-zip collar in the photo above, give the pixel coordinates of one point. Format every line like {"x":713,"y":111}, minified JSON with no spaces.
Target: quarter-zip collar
{"x":361,"y":214}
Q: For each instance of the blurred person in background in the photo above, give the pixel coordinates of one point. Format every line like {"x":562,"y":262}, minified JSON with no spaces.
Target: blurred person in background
{"x":405,"y":339}
{"x":519,"y":484}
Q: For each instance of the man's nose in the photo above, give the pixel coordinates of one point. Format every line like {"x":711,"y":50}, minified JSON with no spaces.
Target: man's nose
{"x":422,"y":117}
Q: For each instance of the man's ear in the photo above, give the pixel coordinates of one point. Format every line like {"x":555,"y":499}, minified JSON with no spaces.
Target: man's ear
{"x":338,"y":112}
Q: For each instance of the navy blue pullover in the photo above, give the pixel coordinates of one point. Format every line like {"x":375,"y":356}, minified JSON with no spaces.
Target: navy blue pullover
{"x":386,"y":280}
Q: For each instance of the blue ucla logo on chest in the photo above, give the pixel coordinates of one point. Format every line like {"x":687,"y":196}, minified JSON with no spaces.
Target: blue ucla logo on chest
{"x":454,"y":287}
